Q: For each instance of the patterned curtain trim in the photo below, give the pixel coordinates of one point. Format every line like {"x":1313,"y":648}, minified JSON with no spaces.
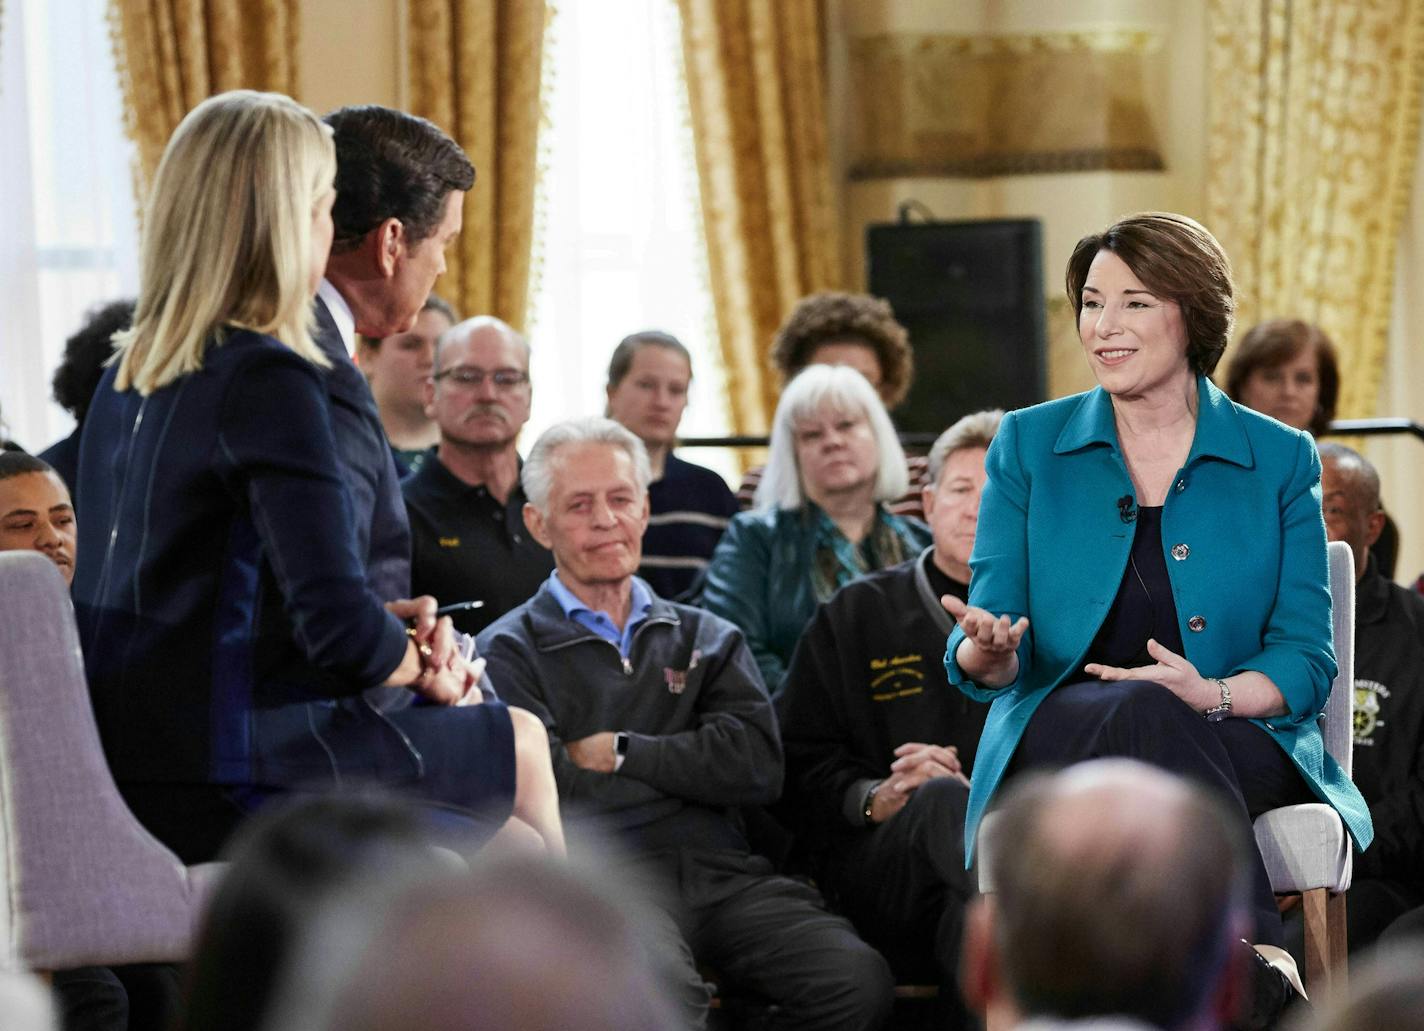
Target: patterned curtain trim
{"x":1314,"y":124}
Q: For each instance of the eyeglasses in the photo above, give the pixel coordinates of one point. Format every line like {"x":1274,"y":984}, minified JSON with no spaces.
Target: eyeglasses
{"x":469,"y":376}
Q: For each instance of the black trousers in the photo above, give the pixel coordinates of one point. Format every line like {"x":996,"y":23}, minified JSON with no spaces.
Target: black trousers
{"x":904,"y":886}
{"x":765,"y":934}
{"x":1140,"y":719}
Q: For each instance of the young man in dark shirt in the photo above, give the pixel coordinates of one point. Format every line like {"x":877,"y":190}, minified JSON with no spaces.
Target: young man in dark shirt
{"x":879,"y":747}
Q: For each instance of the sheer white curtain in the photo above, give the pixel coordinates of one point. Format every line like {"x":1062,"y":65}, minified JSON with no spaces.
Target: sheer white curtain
{"x":618,"y":232}
{"x":68,"y":236}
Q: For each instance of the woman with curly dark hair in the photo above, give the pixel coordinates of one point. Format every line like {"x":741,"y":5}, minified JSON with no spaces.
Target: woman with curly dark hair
{"x":847,"y":329}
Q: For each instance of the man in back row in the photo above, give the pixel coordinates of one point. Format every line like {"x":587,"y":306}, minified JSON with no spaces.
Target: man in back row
{"x":465,"y":503}
{"x":1389,"y":708}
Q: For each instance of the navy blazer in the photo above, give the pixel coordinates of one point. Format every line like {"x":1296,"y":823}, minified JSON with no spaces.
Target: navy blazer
{"x":382,"y":529}
{"x":1243,"y":527}
{"x":222,"y":601}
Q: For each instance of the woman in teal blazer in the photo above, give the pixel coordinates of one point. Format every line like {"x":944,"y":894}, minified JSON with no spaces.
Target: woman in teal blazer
{"x":1203,"y":647}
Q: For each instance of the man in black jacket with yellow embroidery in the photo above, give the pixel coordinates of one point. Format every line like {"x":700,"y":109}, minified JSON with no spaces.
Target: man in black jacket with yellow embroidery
{"x":879,"y":747}
{"x":660,"y":727}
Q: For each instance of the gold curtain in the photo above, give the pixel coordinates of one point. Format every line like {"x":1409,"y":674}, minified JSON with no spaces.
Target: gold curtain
{"x":757,"y":89}
{"x":173,"y":54}
{"x":1314,"y":123}
{"x":475,"y":69}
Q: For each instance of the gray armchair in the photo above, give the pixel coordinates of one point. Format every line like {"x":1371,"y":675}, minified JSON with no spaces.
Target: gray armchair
{"x":84,"y":883}
{"x":1306,"y":848}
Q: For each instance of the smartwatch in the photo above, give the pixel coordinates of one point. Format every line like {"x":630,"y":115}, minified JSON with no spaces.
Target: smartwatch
{"x":620,"y":749}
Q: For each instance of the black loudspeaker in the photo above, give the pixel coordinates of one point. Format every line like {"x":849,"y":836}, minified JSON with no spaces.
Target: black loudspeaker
{"x":971,"y":296}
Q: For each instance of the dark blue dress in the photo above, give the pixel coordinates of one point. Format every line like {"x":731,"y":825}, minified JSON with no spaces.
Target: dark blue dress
{"x":233,"y":630}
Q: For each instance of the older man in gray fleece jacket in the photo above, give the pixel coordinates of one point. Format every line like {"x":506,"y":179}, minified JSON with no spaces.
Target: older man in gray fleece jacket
{"x":660,"y":726}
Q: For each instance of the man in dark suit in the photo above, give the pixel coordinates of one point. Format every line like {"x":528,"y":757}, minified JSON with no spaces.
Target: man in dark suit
{"x":400,"y":183}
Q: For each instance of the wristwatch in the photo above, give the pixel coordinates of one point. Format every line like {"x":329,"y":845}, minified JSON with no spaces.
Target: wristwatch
{"x":1217,"y":713}
{"x":870,"y":802}
{"x":620,"y":749}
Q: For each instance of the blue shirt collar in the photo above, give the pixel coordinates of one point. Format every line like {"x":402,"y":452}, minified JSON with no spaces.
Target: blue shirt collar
{"x":599,"y":622}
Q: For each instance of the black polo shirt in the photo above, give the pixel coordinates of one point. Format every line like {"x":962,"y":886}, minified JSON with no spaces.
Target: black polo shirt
{"x":467,"y":546}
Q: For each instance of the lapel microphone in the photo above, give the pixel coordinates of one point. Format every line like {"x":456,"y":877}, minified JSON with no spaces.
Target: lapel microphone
{"x":1126,"y":510}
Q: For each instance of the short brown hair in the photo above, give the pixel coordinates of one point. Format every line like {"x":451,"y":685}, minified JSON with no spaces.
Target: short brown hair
{"x":1178,"y":260}
{"x":1275,"y":342}
{"x":828,"y":318}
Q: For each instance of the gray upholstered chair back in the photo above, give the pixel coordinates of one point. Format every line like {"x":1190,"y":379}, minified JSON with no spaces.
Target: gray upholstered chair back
{"x":1338,"y":725}
{"x":83,"y":882}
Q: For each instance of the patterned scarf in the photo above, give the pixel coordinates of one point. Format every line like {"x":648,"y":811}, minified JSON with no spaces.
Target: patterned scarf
{"x":837,"y":561}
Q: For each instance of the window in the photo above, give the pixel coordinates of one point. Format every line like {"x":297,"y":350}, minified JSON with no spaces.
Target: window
{"x":68,"y":234}
{"x":619,"y":245}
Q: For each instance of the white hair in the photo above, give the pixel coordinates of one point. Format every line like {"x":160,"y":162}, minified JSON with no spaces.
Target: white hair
{"x":974,"y":430}
{"x":538,"y":474}
{"x":814,"y":390}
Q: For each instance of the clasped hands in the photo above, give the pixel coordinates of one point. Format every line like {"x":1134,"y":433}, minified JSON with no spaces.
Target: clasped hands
{"x":915,"y":764}
{"x":445,"y":678}
{"x":989,"y":655}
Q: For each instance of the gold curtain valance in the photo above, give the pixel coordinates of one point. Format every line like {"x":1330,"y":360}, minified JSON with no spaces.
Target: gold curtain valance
{"x":1314,"y":124}
{"x":173,"y":54}
{"x":475,"y":69}
{"x":944,"y":105}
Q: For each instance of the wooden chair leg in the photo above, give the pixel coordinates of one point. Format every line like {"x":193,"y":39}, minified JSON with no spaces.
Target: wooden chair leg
{"x":1326,"y":962}
{"x":1338,"y":934}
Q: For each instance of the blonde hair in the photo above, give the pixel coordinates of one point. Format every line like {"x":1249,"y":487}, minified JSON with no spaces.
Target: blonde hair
{"x":227,"y":235}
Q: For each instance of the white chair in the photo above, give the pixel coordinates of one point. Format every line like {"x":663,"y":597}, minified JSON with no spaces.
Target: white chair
{"x":83,"y":882}
{"x":1306,"y":848}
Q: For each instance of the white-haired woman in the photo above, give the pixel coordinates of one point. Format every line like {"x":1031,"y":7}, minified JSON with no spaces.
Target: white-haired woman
{"x":819,"y":518}
{"x":230,"y":634}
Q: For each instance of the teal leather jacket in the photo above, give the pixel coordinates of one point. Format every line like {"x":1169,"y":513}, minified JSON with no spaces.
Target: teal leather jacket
{"x":1243,"y":527}
{"x":760,"y":579}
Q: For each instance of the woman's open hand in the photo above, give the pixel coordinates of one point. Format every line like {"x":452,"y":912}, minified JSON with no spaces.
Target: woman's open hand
{"x":1171,"y":670}
{"x":989,"y":651}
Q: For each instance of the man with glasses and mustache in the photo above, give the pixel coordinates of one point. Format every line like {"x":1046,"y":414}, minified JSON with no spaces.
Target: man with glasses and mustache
{"x":466,"y":505}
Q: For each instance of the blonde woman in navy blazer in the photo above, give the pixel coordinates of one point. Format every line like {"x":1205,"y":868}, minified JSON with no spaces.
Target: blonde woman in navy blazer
{"x":1205,"y":647}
